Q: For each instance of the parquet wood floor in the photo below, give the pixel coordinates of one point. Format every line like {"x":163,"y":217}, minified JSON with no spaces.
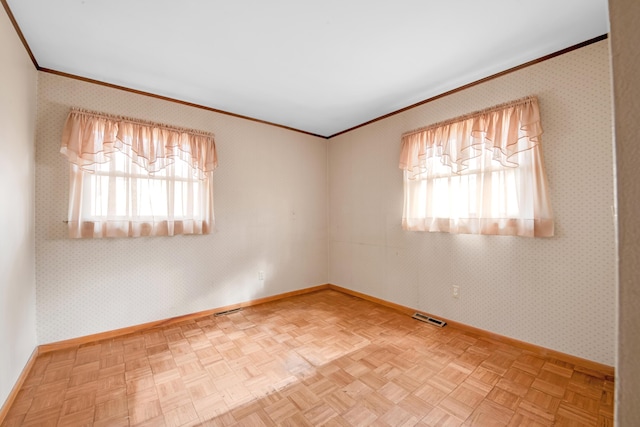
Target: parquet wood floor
{"x":324,"y":358}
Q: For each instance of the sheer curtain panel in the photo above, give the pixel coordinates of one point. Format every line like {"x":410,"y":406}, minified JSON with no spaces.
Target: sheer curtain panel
{"x":130,"y":177}
{"x":482,"y":173}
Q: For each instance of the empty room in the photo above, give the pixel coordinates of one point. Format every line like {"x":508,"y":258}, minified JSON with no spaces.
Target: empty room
{"x":319,"y":213}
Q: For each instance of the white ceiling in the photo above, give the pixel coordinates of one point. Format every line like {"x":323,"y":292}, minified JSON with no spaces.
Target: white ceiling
{"x":317,"y":66}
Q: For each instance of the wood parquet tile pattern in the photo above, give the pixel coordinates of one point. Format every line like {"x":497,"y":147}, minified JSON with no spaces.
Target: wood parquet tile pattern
{"x":323,"y":358}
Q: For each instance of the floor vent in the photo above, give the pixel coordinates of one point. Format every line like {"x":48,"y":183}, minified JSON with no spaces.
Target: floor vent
{"x":224,"y":313}
{"x":426,"y":319}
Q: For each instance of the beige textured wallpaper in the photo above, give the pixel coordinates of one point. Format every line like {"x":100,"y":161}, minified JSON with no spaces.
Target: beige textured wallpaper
{"x":560,"y":292}
{"x":269,"y":197}
{"x":18,"y":81}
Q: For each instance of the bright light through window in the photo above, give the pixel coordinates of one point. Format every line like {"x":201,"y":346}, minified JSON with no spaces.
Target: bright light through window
{"x":479,"y":174}
{"x":169,"y":193}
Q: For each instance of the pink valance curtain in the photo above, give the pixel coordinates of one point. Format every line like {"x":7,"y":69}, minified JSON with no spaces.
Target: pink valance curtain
{"x":88,"y":139}
{"x":481,"y":173}
{"x":504,"y":130}
{"x":131,"y":178}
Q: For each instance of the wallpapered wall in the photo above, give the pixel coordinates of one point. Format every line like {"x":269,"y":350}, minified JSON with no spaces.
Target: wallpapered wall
{"x":18,"y":80}
{"x":559,"y":292}
{"x":270,"y":204}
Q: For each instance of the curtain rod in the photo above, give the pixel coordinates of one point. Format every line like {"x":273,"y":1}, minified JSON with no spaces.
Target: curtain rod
{"x":139,"y":121}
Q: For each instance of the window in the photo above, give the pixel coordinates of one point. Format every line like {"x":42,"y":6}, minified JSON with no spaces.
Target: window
{"x":134,"y":178}
{"x":479,"y":174}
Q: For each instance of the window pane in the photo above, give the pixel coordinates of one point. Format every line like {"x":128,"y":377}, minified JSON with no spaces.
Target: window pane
{"x":121,"y":189}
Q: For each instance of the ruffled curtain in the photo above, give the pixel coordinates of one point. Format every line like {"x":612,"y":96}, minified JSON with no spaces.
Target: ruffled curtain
{"x":481,"y":174}
{"x":134,"y":178}
{"x":88,"y":139}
